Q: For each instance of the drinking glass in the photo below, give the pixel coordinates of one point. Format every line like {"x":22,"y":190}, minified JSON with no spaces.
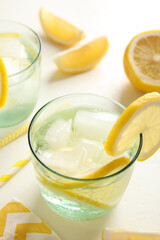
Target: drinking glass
{"x":72,"y":197}
{"x":20,"y":49}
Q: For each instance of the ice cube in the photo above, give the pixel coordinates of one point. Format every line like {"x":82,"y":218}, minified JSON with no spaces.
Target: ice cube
{"x":10,"y":46}
{"x":11,"y":64}
{"x":94,"y":125}
{"x":93,"y":150}
{"x":58,"y":134}
{"x":65,"y":161}
{"x":85,"y":157}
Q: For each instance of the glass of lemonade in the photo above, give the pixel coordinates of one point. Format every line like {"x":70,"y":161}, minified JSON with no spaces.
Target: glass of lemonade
{"x":20,"y":49}
{"x":67,"y":137}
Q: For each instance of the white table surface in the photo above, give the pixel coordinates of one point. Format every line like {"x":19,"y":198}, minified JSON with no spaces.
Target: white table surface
{"x":139,"y":209}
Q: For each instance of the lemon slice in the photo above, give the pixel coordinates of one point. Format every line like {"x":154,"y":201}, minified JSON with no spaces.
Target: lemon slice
{"x":59,"y":30}
{"x":99,"y":173}
{"x":74,"y":189}
{"x":83,"y":58}
{"x":142,"y":61}
{"x":3,"y":84}
{"x":108,"y":168}
{"x":141,"y":116}
{"x":112,"y":234}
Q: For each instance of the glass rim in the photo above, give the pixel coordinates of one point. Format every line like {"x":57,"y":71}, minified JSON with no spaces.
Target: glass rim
{"x":74,"y":178}
{"x":39,"y":49}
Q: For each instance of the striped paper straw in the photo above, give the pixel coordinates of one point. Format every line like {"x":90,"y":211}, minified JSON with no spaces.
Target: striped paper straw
{"x":13,"y":170}
{"x":19,"y":132}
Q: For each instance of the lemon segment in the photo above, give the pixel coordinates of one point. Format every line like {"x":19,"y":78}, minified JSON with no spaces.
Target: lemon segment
{"x":83,"y":58}
{"x":3,"y":84}
{"x":141,"y":116}
{"x":59,"y":30}
{"x":142,"y":61}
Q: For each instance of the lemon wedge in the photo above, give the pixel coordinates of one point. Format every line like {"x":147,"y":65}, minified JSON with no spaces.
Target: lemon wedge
{"x":3,"y":84}
{"x":112,"y":234}
{"x":83,"y":58}
{"x":142,"y":61}
{"x":141,"y":116}
{"x":59,"y":30}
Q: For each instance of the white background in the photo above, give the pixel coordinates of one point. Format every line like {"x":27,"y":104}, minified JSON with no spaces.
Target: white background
{"x":139,"y":209}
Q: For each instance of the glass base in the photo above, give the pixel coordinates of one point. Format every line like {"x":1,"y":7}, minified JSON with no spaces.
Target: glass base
{"x":16,"y":115}
{"x":75,"y":210}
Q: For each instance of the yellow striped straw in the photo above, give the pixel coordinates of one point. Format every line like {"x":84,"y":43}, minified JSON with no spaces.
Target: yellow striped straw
{"x":13,"y":170}
{"x":19,"y":132}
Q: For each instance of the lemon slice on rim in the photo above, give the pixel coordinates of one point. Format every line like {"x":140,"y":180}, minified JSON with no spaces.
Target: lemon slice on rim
{"x":3,"y":84}
{"x":141,"y":116}
{"x":83,"y":58}
{"x":142,"y":61}
{"x":59,"y":30}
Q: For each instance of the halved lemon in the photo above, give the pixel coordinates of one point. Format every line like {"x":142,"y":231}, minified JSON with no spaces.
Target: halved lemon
{"x":59,"y":30}
{"x":3,"y":84}
{"x":83,"y":58}
{"x":142,"y":61}
{"x":141,"y":116}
